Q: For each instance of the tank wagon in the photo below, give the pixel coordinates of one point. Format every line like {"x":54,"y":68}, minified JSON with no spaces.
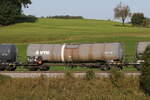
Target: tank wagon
{"x":8,"y":55}
{"x":141,"y":46}
{"x":101,"y":54}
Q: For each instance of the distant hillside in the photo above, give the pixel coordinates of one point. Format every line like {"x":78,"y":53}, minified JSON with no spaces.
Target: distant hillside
{"x":74,"y":31}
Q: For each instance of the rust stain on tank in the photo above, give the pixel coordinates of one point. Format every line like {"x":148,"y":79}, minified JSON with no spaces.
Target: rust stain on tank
{"x":103,"y":52}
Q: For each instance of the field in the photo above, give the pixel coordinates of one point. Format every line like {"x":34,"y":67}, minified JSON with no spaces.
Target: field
{"x":69,"y":88}
{"x":73,"y":31}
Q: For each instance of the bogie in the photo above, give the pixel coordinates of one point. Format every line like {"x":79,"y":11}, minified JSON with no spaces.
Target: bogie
{"x":44,"y":68}
{"x":11,"y":68}
{"x":2,"y":68}
{"x":32,"y":68}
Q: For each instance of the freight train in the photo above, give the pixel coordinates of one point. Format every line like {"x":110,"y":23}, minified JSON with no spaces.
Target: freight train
{"x":42,"y":56}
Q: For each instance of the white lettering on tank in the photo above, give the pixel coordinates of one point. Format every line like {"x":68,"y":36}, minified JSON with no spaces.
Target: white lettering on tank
{"x":42,"y":52}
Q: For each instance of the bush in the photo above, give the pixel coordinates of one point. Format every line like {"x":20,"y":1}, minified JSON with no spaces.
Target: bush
{"x":116,"y":77}
{"x":137,"y":19}
{"x":90,"y":75}
{"x":145,"y":72}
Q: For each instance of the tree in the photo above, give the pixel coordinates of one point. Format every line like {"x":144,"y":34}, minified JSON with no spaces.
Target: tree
{"x":137,"y":19}
{"x":145,"y":71}
{"x":10,"y":9}
{"x":146,"y":22}
{"x":122,"y":12}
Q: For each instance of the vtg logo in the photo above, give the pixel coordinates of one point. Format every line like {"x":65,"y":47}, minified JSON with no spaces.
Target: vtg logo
{"x":42,"y":52}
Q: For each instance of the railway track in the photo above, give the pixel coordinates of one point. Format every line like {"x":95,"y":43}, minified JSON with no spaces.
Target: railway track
{"x":81,"y":74}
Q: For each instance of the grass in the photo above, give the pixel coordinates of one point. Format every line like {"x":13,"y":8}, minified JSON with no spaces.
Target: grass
{"x":71,"y":89}
{"x":73,"y":31}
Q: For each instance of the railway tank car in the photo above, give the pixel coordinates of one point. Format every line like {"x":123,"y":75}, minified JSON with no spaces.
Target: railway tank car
{"x":140,"y":48}
{"x":75,"y":53}
{"x":8,"y":55}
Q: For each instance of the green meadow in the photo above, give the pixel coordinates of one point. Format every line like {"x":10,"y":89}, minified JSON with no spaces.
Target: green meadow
{"x":73,"y":31}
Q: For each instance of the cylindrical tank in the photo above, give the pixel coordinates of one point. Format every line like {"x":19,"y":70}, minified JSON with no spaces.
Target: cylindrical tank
{"x":141,"y":46}
{"x":8,"y":53}
{"x":76,"y":52}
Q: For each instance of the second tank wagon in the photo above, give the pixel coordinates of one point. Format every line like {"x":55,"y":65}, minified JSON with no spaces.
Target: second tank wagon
{"x":141,"y":46}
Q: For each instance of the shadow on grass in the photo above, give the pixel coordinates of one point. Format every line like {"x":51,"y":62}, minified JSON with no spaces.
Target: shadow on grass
{"x":28,"y":19}
{"x":118,"y":25}
{"x":22,"y":19}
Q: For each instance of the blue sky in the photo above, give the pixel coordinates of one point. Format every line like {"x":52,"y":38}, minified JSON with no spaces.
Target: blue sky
{"x":91,"y":9}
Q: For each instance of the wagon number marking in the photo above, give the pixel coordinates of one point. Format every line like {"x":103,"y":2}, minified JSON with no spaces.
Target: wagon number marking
{"x":42,"y":52}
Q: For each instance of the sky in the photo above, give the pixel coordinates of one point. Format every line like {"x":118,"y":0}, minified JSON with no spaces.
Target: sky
{"x":90,"y":9}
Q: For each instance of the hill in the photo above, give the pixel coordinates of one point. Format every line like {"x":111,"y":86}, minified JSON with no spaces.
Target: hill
{"x":73,"y":31}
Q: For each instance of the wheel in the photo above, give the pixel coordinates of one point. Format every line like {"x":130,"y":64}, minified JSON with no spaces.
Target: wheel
{"x":120,"y":67}
{"x":138,"y":68}
{"x":11,"y":68}
{"x":105,"y":68}
{"x":44,"y":68}
{"x":32,"y":68}
{"x":2,"y":68}
{"x":117,"y":67}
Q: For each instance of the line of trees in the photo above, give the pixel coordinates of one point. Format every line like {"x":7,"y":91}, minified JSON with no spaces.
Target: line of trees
{"x":66,"y":17}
